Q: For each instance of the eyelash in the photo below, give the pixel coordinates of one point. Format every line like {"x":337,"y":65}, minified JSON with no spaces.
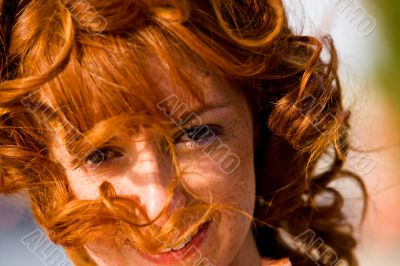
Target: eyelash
{"x":190,"y":138}
{"x":102,"y":156}
{"x":198,"y":136}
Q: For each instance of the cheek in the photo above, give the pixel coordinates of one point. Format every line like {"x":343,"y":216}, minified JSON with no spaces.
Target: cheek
{"x":84,"y":187}
{"x":206,"y":178}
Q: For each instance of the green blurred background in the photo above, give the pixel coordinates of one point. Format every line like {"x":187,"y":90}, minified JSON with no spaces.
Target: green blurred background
{"x":388,"y":69}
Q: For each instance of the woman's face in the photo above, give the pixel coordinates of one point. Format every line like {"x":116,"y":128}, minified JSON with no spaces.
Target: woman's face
{"x":224,"y":171}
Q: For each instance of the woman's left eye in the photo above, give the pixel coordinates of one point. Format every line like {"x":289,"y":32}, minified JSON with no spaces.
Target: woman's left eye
{"x":199,"y":135}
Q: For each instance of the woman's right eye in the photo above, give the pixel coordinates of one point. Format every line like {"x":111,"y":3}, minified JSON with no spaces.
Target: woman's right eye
{"x":101,"y":156}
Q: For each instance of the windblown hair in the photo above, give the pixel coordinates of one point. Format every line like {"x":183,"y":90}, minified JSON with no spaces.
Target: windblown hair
{"x":81,"y":69}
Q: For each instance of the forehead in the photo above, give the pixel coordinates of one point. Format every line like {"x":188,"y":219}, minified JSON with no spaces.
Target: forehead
{"x":86,"y":118}
{"x":86,"y":98}
{"x":211,"y":85}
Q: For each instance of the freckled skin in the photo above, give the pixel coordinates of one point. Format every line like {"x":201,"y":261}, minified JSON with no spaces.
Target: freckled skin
{"x":229,"y":241}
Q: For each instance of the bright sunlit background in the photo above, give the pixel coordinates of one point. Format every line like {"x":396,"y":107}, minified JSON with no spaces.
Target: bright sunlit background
{"x":367,"y":36}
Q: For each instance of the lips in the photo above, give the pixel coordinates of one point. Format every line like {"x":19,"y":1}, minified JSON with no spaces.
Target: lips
{"x":178,"y":254}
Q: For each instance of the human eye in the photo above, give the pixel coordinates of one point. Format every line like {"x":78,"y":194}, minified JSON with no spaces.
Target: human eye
{"x":198,"y":136}
{"x":102,"y":156}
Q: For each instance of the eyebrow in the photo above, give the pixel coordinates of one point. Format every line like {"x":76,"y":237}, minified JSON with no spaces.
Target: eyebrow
{"x":201,"y":110}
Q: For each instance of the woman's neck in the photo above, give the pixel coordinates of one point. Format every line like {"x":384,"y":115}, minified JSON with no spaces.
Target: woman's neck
{"x":248,"y":254}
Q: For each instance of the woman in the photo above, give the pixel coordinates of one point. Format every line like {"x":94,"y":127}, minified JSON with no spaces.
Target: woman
{"x":173,"y":132}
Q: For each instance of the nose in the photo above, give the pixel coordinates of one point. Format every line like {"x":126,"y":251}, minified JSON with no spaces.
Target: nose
{"x":149,"y":180}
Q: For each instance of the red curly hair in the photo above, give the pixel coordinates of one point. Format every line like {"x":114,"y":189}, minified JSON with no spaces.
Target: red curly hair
{"x":55,"y":55}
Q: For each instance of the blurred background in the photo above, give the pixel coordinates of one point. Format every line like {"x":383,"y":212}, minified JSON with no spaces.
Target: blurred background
{"x":367,"y":36}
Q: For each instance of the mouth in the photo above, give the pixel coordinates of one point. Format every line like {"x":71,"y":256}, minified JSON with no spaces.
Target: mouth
{"x":184,"y":251}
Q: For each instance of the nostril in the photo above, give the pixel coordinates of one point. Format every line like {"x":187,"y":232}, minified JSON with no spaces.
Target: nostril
{"x":179,"y":200}
{"x":107,"y":191}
